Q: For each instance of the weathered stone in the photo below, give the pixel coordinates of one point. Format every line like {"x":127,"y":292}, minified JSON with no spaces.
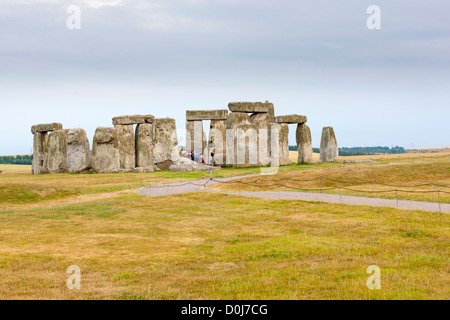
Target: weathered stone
{"x":78,"y":151}
{"x":328,"y":146}
{"x":126,"y":144}
{"x":217,"y":141}
{"x":261,"y":122}
{"x":194,"y":136}
{"x":194,"y":115}
{"x":128,"y":120}
{"x":204,"y":145}
{"x":165,"y":143}
{"x":144,"y":145}
{"x":187,"y":165}
{"x":105,"y":155}
{"x":105,"y":135}
{"x":144,"y":169}
{"x":290,"y":119}
{"x":279,"y":144}
{"x":57,"y":152}
{"x":236,"y":119}
{"x":47,"y":127}
{"x":40,"y":153}
{"x":250,"y":107}
{"x":246,"y":146}
{"x":304,"y":143}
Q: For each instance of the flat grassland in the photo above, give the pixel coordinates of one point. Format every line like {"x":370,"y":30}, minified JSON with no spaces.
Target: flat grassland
{"x":217,"y":246}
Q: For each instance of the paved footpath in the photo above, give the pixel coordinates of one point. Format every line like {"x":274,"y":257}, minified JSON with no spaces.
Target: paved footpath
{"x":201,"y":186}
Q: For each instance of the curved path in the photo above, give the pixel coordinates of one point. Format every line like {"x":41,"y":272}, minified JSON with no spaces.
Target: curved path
{"x":202,"y":186}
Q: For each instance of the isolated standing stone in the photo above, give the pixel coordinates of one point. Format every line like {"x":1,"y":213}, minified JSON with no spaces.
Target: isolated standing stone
{"x":78,"y":151}
{"x":165,"y":143}
{"x":40,"y":153}
{"x":144,"y":145}
{"x":106,"y":157}
{"x":304,"y":143}
{"x":126,"y":146}
{"x":328,"y":146}
{"x":279,"y":144}
{"x":57,"y":152}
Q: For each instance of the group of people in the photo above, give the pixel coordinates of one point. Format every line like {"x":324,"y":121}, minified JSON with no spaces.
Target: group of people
{"x":198,"y":157}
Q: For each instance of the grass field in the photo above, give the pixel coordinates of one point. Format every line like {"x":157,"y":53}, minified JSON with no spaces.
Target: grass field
{"x":216,"y":246}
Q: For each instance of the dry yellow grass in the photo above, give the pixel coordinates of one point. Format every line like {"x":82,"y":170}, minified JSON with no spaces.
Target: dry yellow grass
{"x":214,"y":246}
{"x":14,"y":168}
{"x":410,"y":172}
{"x":209,"y":246}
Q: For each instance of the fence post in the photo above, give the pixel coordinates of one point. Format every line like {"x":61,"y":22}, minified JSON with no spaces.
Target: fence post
{"x":320,"y":184}
{"x":396,"y":196}
{"x":372,"y":188}
{"x":432,"y":190}
{"x":439,"y":199}
{"x":340,"y":196}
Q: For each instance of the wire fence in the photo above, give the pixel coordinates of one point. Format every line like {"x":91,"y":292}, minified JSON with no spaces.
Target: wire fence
{"x":279,"y":184}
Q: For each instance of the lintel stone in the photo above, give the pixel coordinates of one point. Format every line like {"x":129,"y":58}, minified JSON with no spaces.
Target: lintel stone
{"x":250,"y":107}
{"x":47,"y":127}
{"x":136,"y":119}
{"x":291,"y":118}
{"x":194,"y":115}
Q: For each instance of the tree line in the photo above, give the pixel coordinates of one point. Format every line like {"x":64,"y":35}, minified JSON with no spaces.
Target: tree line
{"x":361,"y":151}
{"x":16,"y":159}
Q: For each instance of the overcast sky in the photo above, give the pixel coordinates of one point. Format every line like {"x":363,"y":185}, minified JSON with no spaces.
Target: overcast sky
{"x":317,"y":58}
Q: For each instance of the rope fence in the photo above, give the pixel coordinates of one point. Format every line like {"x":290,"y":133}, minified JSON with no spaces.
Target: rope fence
{"x":278,"y":184}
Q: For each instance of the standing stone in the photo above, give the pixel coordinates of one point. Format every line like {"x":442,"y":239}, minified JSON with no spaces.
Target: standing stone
{"x":40,"y":153}
{"x":204,"y":145}
{"x":78,"y":151}
{"x":328,"y":146}
{"x":106,"y":157}
{"x":304,"y":144}
{"x":194,"y":135}
{"x":126,"y":146}
{"x":57,"y":152}
{"x":261,"y":122}
{"x":144,"y":145}
{"x":165,"y":143}
{"x":246,"y":147}
{"x":234,"y":120}
{"x":279,"y":144}
{"x":217,"y":141}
